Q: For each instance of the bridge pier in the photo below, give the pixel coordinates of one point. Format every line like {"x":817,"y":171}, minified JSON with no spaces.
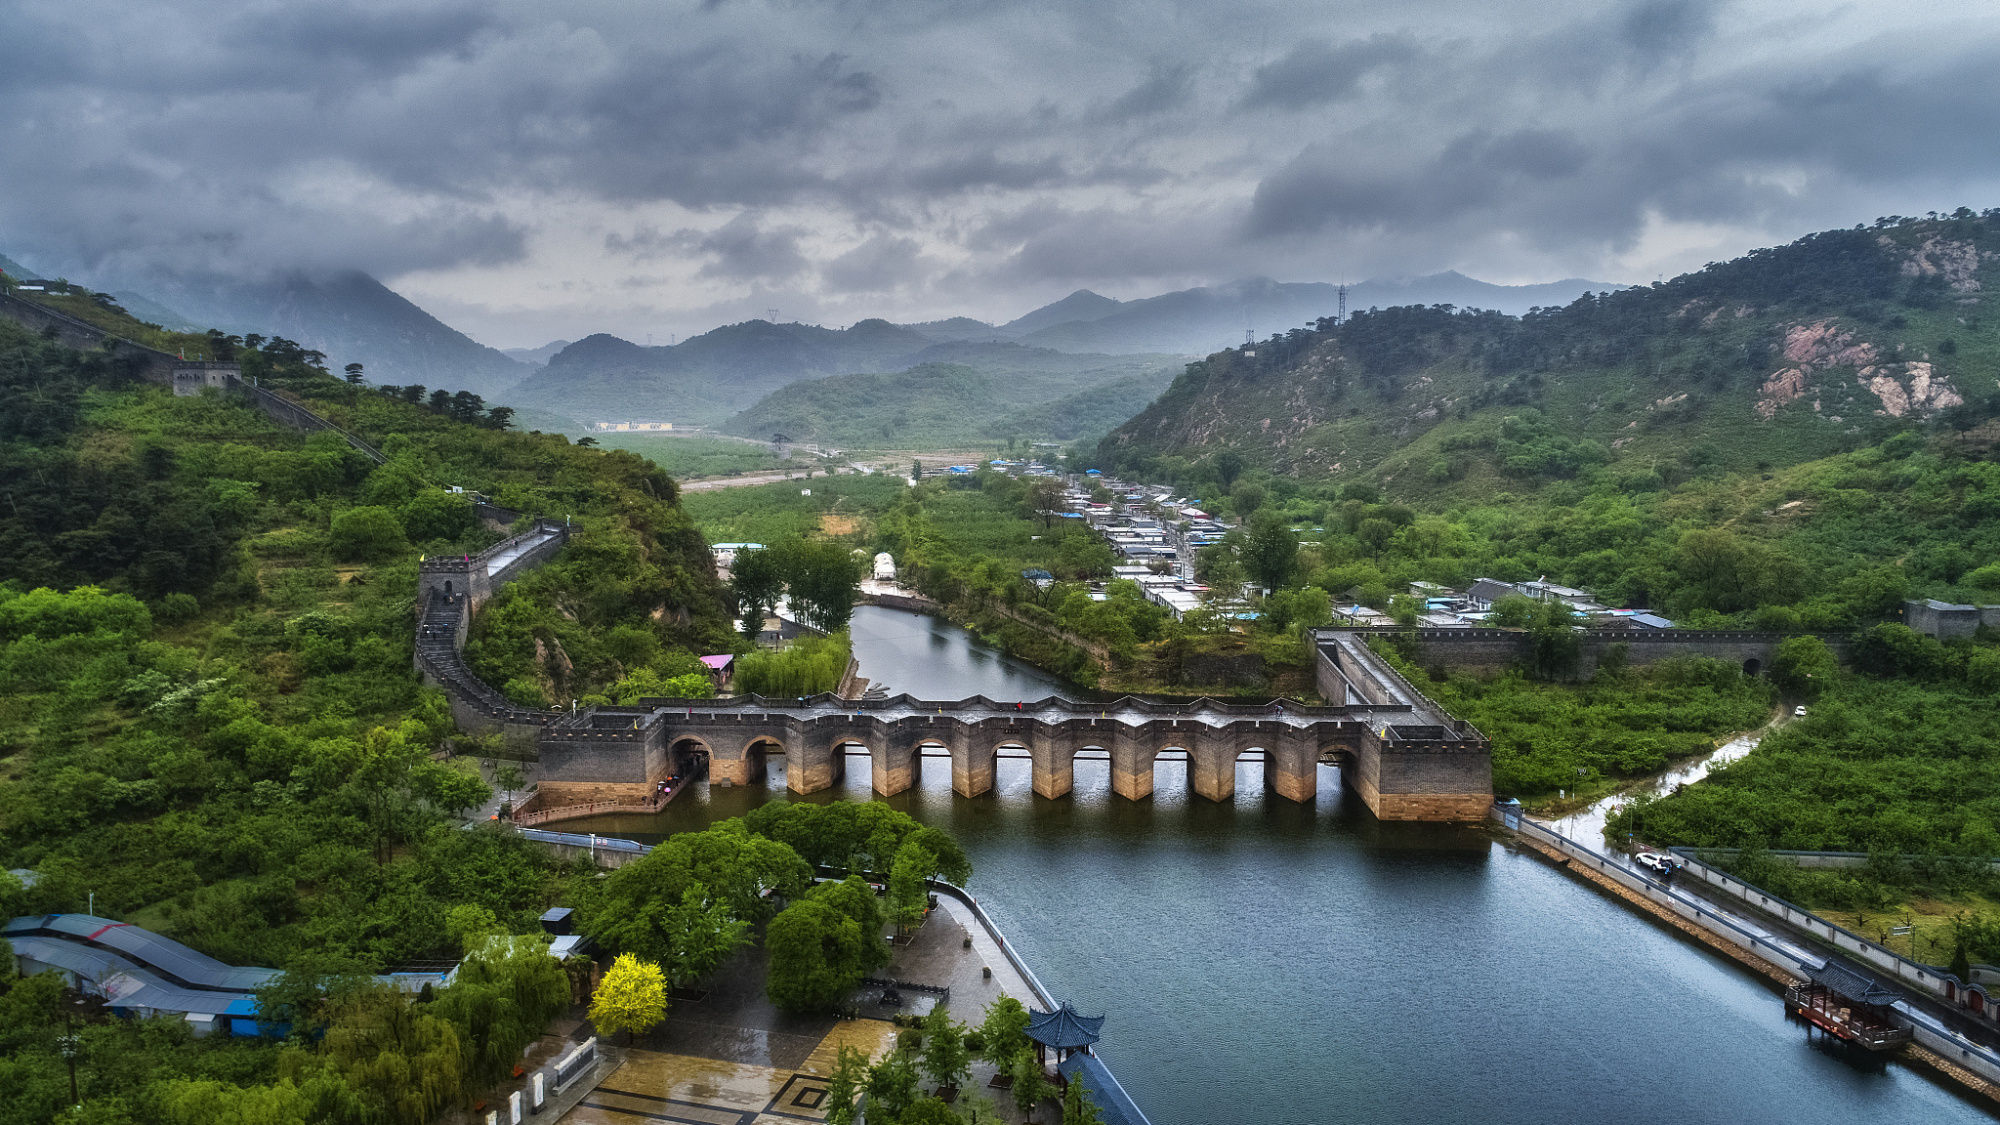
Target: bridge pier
{"x":1291,"y":765}
{"x":973,"y":766}
{"x":897,"y":759}
{"x":820,"y":762}
{"x":1212,"y":764}
{"x":1132,"y":755}
{"x":1055,"y":763}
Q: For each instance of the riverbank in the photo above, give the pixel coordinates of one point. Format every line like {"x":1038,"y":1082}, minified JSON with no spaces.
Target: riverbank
{"x":1723,"y":935}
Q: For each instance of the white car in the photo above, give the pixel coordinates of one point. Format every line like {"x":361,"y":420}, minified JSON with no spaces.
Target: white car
{"x":1799,"y":712}
{"x":1654,"y":861}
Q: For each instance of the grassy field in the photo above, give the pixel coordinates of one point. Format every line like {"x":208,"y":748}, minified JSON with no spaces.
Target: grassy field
{"x":695,"y":457}
{"x":768,"y":513}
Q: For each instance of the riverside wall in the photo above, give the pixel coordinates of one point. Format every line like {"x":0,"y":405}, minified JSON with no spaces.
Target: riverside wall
{"x":1490,"y":652}
{"x":1973,"y":1065}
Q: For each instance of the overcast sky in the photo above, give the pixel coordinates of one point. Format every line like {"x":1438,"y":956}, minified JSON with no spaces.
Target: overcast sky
{"x":530,"y":170}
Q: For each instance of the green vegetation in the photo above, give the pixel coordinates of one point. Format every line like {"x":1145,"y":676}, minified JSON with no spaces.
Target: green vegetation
{"x":771,"y":513}
{"x":693,"y":457}
{"x":693,"y":901}
{"x":1745,"y":366}
{"x":1588,"y":738}
{"x":212,"y":728}
{"x":1035,"y":396}
{"x":809,"y":666}
{"x":1898,"y":759}
{"x":941,"y":1050}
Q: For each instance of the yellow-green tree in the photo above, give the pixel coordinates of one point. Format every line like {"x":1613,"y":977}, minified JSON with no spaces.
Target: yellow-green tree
{"x":631,"y":998}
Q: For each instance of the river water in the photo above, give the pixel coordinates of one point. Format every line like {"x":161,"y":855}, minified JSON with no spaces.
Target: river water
{"x":1265,"y":963}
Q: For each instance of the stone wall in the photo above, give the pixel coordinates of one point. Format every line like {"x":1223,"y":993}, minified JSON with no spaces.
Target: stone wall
{"x":1946,"y":620}
{"x":1487,"y":652}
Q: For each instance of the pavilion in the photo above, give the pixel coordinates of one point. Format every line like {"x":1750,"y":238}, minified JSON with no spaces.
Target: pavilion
{"x":1071,"y":1035}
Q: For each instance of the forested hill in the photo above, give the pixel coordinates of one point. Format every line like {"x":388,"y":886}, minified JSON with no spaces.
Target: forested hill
{"x":211,"y":727}
{"x":1779,"y":357}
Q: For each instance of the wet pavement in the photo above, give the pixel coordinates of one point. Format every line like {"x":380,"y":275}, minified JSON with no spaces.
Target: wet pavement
{"x":727,"y":1056}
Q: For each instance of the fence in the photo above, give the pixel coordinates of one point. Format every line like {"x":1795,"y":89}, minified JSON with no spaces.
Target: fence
{"x":1847,"y":941}
{"x":1982,"y":1061}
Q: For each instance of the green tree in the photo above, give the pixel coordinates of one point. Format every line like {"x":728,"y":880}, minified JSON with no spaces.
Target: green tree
{"x":1004,"y":1034}
{"x":822,"y":945}
{"x":1803,"y":667}
{"x":909,"y":890}
{"x":850,"y":1071}
{"x":757,"y":579}
{"x":892,"y":1086}
{"x":1557,"y":650}
{"x":367,"y":534}
{"x":946,"y":1061}
{"x":631,"y":998}
{"x":644,"y":909}
{"x":1513,"y":611}
{"x":1031,"y":1086}
{"x":1077,"y":1108}
{"x":407,"y":1064}
{"x":822,"y":578}
{"x":701,"y":934}
{"x":1271,"y":550}
{"x":506,"y":991}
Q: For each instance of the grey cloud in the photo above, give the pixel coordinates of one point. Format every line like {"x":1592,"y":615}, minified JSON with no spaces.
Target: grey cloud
{"x":982,"y":170}
{"x":741,"y":250}
{"x":1168,"y":86}
{"x":1316,"y":72}
{"x":880,"y":264}
{"x":1130,"y":145}
{"x":1658,"y":29}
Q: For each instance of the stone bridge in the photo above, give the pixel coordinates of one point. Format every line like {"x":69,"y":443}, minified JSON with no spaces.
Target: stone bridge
{"x":1406,"y":762}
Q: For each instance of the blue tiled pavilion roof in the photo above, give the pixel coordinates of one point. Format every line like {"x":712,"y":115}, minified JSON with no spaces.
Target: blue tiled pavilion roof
{"x":1063,"y":1028}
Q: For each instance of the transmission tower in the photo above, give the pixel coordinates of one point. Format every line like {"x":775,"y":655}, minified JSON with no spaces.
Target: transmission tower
{"x":1341,"y":316}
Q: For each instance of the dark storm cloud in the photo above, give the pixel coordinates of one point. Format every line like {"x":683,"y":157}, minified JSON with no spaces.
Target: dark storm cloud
{"x":883,"y":263}
{"x":898,"y":146}
{"x":1653,"y":30}
{"x":743,"y":250}
{"x":1168,"y":86}
{"x":1316,"y":71}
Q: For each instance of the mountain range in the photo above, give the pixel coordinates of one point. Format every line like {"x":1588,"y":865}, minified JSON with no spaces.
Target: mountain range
{"x":1785,"y":355}
{"x":707,"y":379}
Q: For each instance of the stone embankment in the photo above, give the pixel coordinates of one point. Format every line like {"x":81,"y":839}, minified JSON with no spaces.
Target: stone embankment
{"x":1770,"y":955}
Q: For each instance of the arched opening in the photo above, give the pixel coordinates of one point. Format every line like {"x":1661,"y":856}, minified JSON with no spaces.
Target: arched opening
{"x":1253,"y":772}
{"x":1173,"y":774}
{"x":447,"y":589}
{"x":687,"y":760}
{"x":1336,"y":769}
{"x":1752,"y":666}
{"x":757,"y":753}
{"x":1013,"y":767}
{"x":1976,"y":1000}
{"x":1090,"y":771}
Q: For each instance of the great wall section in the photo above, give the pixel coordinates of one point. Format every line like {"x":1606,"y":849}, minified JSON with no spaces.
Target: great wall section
{"x":184,"y":377}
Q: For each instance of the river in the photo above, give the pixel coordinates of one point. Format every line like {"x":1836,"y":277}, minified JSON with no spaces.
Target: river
{"x":1266,"y":963}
